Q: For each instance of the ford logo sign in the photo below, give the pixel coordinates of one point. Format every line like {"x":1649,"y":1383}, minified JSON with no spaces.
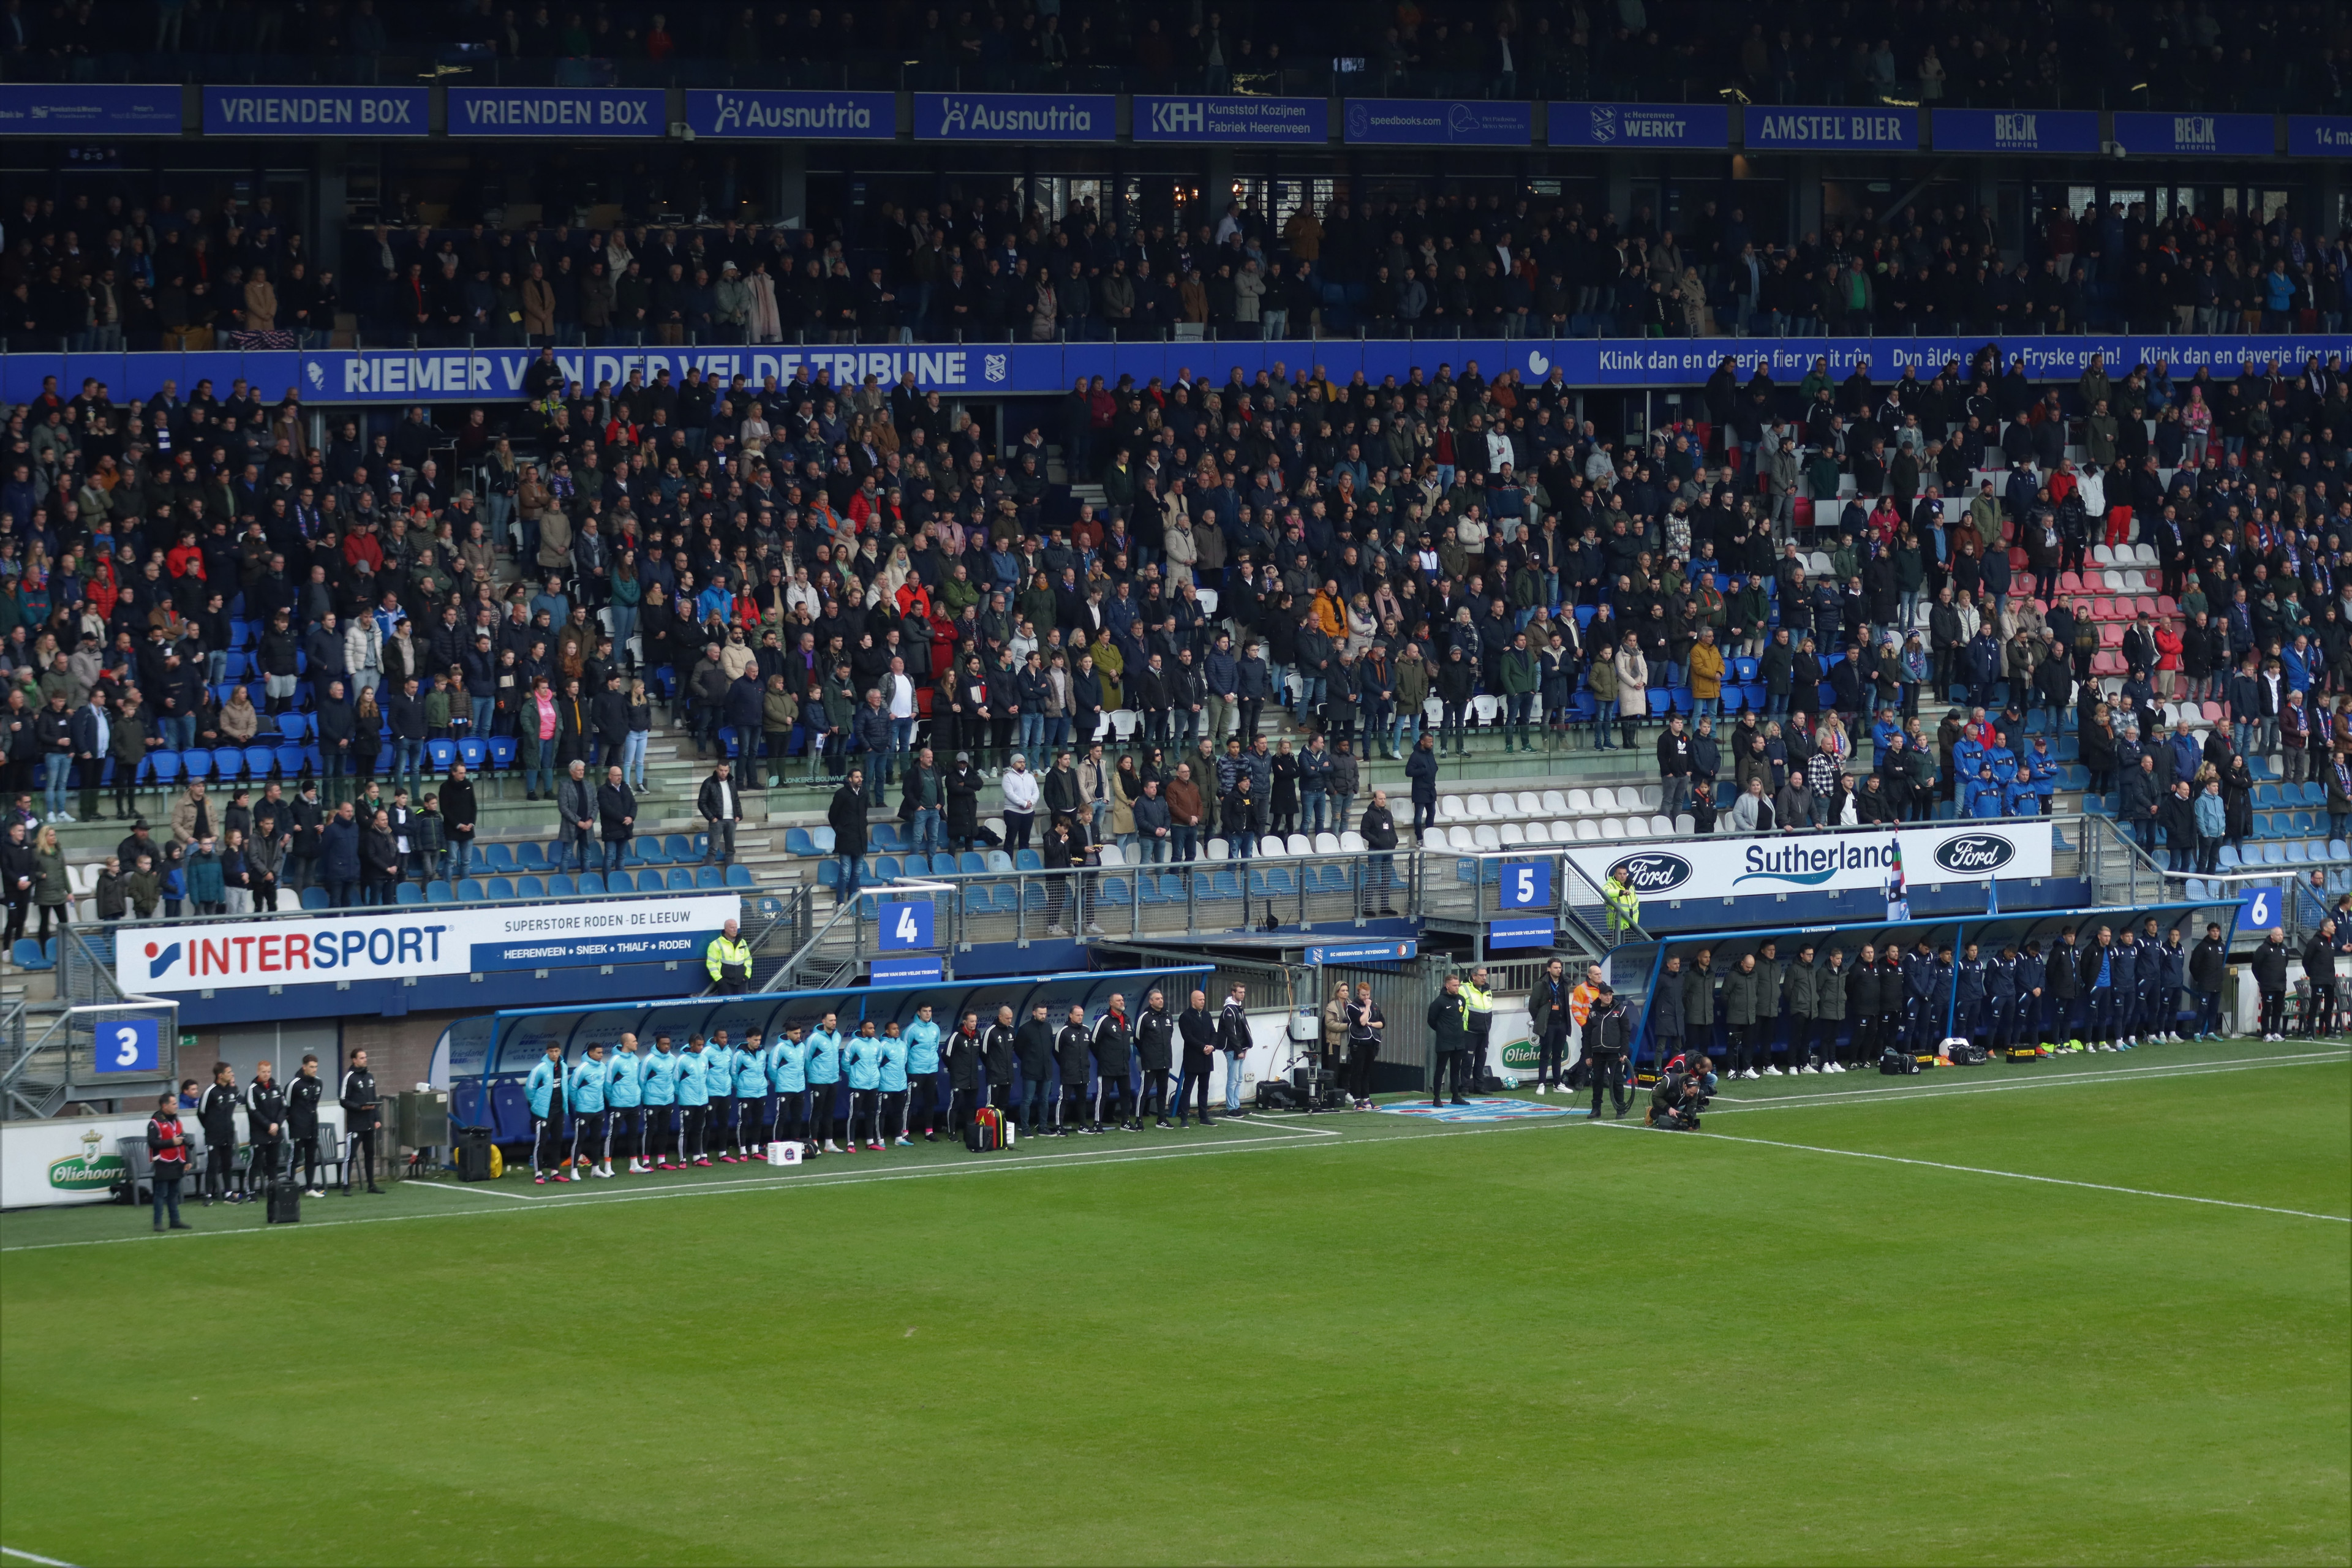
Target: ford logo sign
{"x":1975,"y":854}
{"x":1655,"y":872}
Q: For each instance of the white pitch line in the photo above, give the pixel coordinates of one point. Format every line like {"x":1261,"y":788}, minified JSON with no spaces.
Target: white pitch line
{"x":1279,"y":1143}
{"x":722,"y":1189}
{"x":1725,"y":1105}
{"x":2018,"y":1177}
{"x":34,"y":1557}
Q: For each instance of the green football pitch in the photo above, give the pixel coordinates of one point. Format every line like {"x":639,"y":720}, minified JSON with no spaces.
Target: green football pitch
{"x":2088,"y":1310}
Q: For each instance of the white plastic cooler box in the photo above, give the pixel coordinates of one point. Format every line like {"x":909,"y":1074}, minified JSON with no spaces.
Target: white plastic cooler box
{"x":785,"y":1153}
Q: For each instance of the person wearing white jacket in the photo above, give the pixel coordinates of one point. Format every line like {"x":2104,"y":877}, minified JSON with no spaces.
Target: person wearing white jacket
{"x":1020,"y":790}
{"x":363,"y":652}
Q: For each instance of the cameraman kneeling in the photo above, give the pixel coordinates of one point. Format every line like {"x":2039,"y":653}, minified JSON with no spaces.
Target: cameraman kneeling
{"x":1679,"y":1097}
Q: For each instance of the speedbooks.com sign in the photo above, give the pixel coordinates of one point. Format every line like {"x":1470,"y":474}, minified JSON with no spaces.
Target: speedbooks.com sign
{"x":1827,"y":862}
{"x":416,"y":942}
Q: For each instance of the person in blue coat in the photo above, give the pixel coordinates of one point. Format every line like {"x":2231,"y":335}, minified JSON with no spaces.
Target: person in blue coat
{"x":693,"y":1105}
{"x":2020,"y":796}
{"x":624,"y":1097}
{"x":893,"y":1084}
{"x":592,"y":1123}
{"x":923,"y":1073}
{"x":823,"y":1070}
{"x":338,"y":857}
{"x":751,"y":1117}
{"x":544,"y":1089}
{"x":1984,"y":794}
{"x":1999,"y":1021}
{"x":861,"y":1059}
{"x":788,"y":1076}
{"x":2124,"y":976}
{"x":657,"y":1081}
{"x":1968,"y":994}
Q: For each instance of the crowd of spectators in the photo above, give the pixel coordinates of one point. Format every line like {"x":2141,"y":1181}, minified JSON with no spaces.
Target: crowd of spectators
{"x":2086,"y":54}
{"x":105,"y":275}
{"x":847,"y":575}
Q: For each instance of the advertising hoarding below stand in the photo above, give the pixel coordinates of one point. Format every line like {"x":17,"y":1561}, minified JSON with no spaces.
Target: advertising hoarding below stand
{"x":337,"y":376}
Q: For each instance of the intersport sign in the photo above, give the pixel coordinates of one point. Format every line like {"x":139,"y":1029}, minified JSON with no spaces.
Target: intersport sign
{"x":1726,"y":868}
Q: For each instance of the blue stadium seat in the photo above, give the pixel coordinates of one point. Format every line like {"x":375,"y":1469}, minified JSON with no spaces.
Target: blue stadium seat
{"x":709,"y":877}
{"x":258,"y":760}
{"x":681,"y":880}
{"x":971,"y":862}
{"x":942,"y":864}
{"x":530,"y":855}
{"x":523,"y":887}
{"x":1115,"y":891}
{"x":1028,"y":860}
{"x":30,"y":955}
{"x":649,"y":850}
{"x":590,"y":882}
{"x":798,"y":842}
{"x":739,"y":876}
{"x":502,"y":888}
{"x":441,"y":754}
{"x":495,"y":856}
{"x":408,"y":893}
{"x":314,"y":897}
{"x":822,"y":839}
{"x":471,"y":891}
{"x":473,"y":753}
{"x":437,"y":892}
{"x":560,"y":885}
{"x":294,"y":726}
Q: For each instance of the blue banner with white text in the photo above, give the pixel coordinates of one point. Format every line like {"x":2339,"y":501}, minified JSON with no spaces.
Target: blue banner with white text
{"x":2017,"y":130}
{"x":1838,"y":130}
{"x":496,"y":375}
{"x":1696,"y":125}
{"x":557,"y":111}
{"x":96,"y":110}
{"x":778,"y":115}
{"x":2159,"y":135}
{"x":2319,"y":135}
{"x":1015,"y":117}
{"x":1294,"y":121}
{"x":317,"y":111}
{"x":1440,"y":122}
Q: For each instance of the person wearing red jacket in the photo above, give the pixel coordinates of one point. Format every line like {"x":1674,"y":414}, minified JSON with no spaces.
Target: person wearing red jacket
{"x":167,"y":1156}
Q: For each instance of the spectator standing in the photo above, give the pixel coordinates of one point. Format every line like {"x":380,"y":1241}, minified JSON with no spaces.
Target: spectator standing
{"x":720,"y":806}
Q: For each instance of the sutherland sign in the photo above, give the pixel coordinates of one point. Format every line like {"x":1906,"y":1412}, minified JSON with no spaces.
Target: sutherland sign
{"x":1825,"y":862}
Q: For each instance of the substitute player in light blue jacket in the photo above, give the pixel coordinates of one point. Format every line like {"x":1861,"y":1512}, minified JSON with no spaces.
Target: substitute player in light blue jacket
{"x":894,"y":1085}
{"x":544,"y":1089}
{"x":657,"y":1081}
{"x":861,"y":1061}
{"x":624,"y":1097}
{"x":592,"y":1122}
{"x":693,"y":1104}
{"x":752,"y":1116}
{"x":788,"y":1076}
{"x":823,"y":1080}
{"x":923,"y":1073}
{"x":719,"y":1078}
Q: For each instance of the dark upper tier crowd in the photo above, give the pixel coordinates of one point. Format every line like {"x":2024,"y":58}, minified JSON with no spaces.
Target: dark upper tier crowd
{"x":100,"y":273}
{"x":2262,"y":56}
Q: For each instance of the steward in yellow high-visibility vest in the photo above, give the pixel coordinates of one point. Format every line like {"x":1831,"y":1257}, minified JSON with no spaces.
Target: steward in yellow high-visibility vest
{"x":1624,"y":903}
{"x":728,"y":959}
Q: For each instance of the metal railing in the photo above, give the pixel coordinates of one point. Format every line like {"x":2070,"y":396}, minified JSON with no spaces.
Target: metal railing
{"x":1192,"y":900}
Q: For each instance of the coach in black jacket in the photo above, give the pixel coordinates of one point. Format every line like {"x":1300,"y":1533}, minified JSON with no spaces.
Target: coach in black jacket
{"x":265,"y":1122}
{"x":1198,"y":1031}
{"x":1072,"y":1053}
{"x":360,"y":1120}
{"x":216,"y":1114}
{"x":1155,"y":1051}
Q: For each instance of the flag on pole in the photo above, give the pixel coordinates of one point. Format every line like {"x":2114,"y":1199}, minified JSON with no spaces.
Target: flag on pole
{"x":1898,"y":901}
